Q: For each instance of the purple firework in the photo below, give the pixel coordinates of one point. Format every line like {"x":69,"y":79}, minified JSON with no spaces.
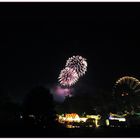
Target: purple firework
{"x":68,"y":77}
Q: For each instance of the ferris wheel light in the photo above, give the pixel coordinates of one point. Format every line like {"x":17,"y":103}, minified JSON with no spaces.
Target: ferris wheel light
{"x":126,"y":85}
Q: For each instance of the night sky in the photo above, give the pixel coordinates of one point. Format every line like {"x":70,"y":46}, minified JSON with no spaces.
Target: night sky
{"x":36,"y":39}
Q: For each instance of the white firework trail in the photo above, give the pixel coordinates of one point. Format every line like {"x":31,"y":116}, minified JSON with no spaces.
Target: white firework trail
{"x":78,"y":63}
{"x":68,"y":77}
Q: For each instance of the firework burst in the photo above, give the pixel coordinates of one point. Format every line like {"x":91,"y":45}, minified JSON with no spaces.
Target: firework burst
{"x":68,"y":77}
{"x":77,"y":63}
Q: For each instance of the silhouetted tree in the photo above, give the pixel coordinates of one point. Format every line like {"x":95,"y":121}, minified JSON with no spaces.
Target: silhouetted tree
{"x":39,"y":108}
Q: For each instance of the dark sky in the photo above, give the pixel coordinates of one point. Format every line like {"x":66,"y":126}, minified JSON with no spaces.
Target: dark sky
{"x":37,"y":38}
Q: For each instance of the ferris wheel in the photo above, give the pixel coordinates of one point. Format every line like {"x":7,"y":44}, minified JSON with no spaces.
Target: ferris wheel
{"x":126,"y":86}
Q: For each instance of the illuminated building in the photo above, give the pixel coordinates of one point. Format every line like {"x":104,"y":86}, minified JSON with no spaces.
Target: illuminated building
{"x":116,"y":120}
{"x":96,"y":118}
{"x":70,"y":119}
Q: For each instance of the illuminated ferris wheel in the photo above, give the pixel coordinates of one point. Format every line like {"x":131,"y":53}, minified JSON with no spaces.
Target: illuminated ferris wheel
{"x":126,"y":87}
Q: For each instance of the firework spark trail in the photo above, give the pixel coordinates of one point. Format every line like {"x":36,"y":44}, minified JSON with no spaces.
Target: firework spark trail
{"x":75,"y":67}
{"x":68,"y":77}
{"x":78,"y":63}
